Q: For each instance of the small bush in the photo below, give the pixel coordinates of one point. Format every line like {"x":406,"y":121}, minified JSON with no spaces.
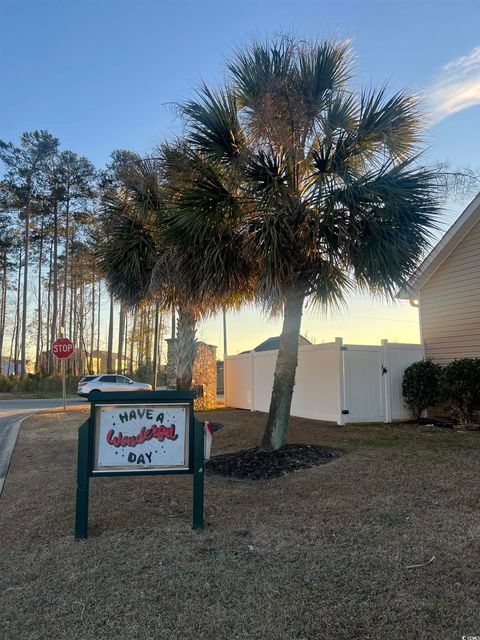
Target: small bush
{"x":6,"y":384}
{"x":421,"y":385}
{"x":37,"y":384}
{"x":462,"y":389}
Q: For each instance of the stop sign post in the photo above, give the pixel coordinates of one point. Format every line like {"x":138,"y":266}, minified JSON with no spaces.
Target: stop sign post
{"x":62,"y":349}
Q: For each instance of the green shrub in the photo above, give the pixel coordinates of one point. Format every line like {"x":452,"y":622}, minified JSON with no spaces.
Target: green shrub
{"x":5,"y":384}
{"x":421,"y":385}
{"x":461,"y":380}
{"x":36,"y":383}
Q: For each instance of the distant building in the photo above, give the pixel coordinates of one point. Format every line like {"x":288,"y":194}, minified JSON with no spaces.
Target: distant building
{"x":98,"y":362}
{"x":271,"y":344}
{"x":8,"y":366}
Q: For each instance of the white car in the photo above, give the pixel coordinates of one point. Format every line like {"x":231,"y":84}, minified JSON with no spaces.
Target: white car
{"x":109,"y":382}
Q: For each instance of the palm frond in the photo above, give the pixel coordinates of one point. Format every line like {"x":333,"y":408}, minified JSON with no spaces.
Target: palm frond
{"x":263,"y":69}
{"x":323,"y":69}
{"x":389,"y":218}
{"x":128,"y":254}
{"x":213,"y":124}
{"x":393,"y":122}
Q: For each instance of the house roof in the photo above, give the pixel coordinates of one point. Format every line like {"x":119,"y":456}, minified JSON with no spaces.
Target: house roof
{"x":457,"y":232}
{"x":270,"y":344}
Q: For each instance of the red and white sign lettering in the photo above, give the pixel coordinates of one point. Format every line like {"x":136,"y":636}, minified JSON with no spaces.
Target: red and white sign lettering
{"x":150,"y":436}
{"x":63,"y":348}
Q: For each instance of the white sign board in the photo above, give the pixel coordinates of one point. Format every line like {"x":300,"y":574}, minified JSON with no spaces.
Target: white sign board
{"x":146,"y":436}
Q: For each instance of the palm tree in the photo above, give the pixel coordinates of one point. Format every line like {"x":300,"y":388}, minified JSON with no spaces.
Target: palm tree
{"x":306,"y":185}
{"x":135,"y":250}
{"x":127,"y":251}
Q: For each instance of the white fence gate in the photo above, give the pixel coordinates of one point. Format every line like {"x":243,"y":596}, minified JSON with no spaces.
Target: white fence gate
{"x":335,"y":382}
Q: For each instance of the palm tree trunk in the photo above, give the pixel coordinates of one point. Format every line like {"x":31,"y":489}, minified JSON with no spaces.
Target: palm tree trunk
{"x":186,"y":347}
{"x":275,"y":435}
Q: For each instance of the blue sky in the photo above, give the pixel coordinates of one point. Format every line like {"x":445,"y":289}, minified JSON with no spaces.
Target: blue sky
{"x":104,"y":75}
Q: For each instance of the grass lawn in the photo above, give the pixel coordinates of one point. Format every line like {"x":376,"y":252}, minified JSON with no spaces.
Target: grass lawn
{"x":318,"y":554}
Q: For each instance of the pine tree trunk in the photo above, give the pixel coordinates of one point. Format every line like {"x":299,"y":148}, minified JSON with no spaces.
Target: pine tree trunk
{"x":140,"y":341}
{"x":23,"y":369}
{"x":71,"y":363}
{"x":70,"y":314}
{"x":75,"y":334}
{"x":3,"y":306}
{"x":82,"y":363}
{"x":99,"y":362}
{"x":276,"y":431}
{"x":17,"y":316}
{"x":92,"y":323}
{"x":132,"y":340}
{"x":125,"y":346}
{"x":11,"y":353}
{"x":39,"y":300}
{"x":121,"y":329}
{"x":53,"y":325}
{"x":186,"y":347}
{"x":110,"y":338}
{"x":45,"y":360}
{"x":148,"y":338}
{"x":66,"y":265}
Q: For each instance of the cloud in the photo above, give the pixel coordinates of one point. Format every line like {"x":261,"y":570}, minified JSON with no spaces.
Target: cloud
{"x":457,"y":86}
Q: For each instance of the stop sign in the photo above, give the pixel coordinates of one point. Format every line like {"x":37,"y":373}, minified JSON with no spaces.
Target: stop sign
{"x":63,"y":348}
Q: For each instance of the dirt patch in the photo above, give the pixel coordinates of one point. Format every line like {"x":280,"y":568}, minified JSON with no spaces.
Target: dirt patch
{"x":322,"y":553}
{"x":253,"y":464}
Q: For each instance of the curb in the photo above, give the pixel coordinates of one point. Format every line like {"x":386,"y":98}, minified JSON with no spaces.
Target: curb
{"x":10,"y":447}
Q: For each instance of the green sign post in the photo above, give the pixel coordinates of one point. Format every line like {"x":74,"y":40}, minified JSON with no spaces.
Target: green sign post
{"x":132,"y":433}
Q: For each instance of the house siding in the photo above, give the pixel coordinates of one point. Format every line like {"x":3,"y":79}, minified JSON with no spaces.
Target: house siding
{"x":450,"y":304}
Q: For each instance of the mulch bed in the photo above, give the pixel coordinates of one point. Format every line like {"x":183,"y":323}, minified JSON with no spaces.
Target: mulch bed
{"x":435,"y":422}
{"x":254,"y":464}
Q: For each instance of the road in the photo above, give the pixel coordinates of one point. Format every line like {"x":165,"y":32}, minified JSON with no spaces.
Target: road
{"x":12,"y":412}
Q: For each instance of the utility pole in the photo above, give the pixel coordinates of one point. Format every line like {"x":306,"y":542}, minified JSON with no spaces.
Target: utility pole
{"x":155,"y":347}
{"x":173,"y":323}
{"x":225,"y":350}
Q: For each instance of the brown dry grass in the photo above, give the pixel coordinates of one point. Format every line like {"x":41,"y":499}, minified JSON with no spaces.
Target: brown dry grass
{"x":319,"y":554}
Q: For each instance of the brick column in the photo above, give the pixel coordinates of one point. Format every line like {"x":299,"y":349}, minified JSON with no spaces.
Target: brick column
{"x":205,"y":374}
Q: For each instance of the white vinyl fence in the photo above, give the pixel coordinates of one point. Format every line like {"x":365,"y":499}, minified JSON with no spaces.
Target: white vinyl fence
{"x":335,"y":382}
